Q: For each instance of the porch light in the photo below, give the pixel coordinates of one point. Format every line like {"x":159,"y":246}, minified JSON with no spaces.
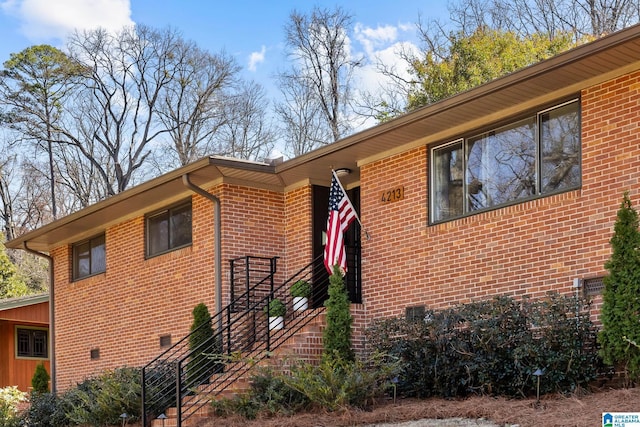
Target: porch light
{"x":342,"y":172}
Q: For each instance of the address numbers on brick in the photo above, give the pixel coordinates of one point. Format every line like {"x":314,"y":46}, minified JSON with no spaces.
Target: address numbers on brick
{"x":392,"y":195}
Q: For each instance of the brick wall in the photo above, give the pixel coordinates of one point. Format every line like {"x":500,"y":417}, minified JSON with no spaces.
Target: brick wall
{"x":124,"y":311}
{"x":528,"y":248}
{"x":298,"y":229}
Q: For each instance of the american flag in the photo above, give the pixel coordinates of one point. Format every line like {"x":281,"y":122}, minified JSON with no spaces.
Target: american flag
{"x":341,"y":215}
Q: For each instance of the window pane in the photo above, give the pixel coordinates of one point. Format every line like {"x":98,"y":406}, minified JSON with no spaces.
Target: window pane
{"x":447,"y":182}
{"x":39,"y":343}
{"x":501,"y":166}
{"x":180,"y":226}
{"x":98,"y":258}
{"x":82,"y":260}
{"x":23,"y":342}
{"x":560,"y":141}
{"x":158,"y":229}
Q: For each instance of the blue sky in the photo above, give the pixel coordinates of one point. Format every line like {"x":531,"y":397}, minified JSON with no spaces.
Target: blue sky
{"x":251,"y":31}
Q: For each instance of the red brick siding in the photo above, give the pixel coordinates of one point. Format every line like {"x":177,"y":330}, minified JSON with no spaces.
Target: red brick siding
{"x":298,"y":229}
{"x":529,"y":248}
{"x":124,"y":311}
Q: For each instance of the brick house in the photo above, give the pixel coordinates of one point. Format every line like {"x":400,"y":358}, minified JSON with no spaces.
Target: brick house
{"x":24,"y":329}
{"x":508,"y":188}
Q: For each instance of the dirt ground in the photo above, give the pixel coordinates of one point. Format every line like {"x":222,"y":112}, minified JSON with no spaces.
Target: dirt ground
{"x":565,"y":411}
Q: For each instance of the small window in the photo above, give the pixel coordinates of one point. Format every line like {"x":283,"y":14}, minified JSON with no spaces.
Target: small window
{"x":89,"y":257}
{"x":169,"y":229}
{"x":32,"y":343}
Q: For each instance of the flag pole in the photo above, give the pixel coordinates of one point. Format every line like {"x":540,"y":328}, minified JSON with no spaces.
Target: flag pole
{"x":366,"y":233}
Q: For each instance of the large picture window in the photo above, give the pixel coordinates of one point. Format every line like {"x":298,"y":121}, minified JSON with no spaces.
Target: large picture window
{"x":529,"y":158}
{"x":32,"y":343}
{"x":169,"y":229}
{"x":89,"y":257}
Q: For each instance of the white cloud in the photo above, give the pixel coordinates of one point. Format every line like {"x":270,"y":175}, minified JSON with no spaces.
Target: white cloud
{"x":257,"y":58}
{"x":43,"y":20}
{"x":374,"y":38}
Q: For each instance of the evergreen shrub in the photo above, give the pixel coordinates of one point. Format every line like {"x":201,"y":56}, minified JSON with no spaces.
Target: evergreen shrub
{"x":620,"y":313}
{"x":336,"y":337}
{"x":492,"y":347}
{"x":40,"y":379}
{"x":100,"y":400}
{"x":205,"y":347}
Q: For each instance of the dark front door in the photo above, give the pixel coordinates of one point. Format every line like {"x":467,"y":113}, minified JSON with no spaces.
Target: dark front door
{"x":351,"y":239}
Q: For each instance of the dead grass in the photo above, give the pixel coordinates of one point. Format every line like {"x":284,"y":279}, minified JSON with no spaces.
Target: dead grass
{"x":560,"y":411}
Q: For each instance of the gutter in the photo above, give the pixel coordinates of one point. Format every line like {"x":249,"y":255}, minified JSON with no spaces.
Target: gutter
{"x":52,"y":322}
{"x":218,"y":243}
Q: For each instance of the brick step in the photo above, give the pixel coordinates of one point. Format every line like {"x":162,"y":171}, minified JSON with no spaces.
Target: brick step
{"x":304,"y":344}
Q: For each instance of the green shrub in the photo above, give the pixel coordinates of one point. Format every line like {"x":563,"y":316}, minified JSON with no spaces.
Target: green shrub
{"x":276,"y":308}
{"x":100,"y":401}
{"x":301,"y":288}
{"x":269,"y":395}
{"x":45,"y":410}
{"x":338,"y":383}
{"x":336,"y":337}
{"x":492,"y":347}
{"x":40,"y":379}
{"x":621,"y":305}
{"x":10,"y":397}
{"x":205,"y":347}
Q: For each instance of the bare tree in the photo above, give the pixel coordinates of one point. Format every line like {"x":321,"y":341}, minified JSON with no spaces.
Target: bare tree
{"x":301,"y":120}
{"x":322,"y":65}
{"x":247,"y":132}
{"x":192,"y":105}
{"x":117,"y":107}
{"x":581,"y":18}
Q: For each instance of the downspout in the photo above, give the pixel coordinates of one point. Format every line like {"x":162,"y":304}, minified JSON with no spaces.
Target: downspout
{"x":52,"y":322}
{"x":218,"y":243}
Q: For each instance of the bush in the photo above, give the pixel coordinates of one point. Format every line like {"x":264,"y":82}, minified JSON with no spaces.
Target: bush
{"x":45,"y":410}
{"x":301,"y":288}
{"x":269,"y":395}
{"x":40,"y":379}
{"x":621,"y":305}
{"x":337,"y":383}
{"x":10,"y":397}
{"x":492,"y":347}
{"x":205,"y":348}
{"x":336,"y":337}
{"x":101,"y":400}
{"x":276,"y":308}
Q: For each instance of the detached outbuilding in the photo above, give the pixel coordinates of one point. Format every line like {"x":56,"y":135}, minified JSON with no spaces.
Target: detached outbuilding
{"x":24,"y":339}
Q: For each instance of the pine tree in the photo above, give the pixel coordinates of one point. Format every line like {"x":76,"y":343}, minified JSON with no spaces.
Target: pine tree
{"x":337,"y":334}
{"x":620,"y":313}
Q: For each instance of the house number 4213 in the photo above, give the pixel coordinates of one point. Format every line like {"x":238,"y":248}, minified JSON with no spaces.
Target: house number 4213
{"x":392,"y":195}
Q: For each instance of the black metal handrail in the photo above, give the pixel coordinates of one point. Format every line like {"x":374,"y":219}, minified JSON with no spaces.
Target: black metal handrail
{"x":188,"y":378}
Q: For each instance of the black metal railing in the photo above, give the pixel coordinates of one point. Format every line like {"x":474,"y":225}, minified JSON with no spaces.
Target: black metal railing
{"x":188,"y":378}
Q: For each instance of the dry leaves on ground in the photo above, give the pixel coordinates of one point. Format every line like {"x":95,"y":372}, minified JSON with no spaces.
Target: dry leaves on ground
{"x":558,"y":411}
